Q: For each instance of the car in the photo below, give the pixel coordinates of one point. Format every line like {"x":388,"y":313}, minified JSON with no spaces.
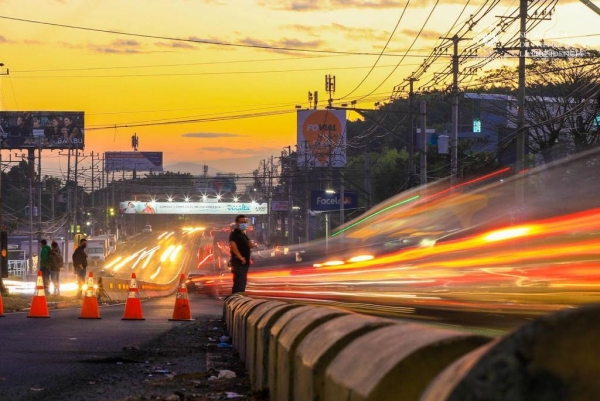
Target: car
{"x":194,"y":282}
{"x":147,"y":228}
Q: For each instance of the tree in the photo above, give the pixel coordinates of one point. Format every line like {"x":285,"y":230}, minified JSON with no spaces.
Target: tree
{"x":561,"y":105}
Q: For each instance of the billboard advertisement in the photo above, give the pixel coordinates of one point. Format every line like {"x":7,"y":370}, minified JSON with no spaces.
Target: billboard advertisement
{"x":321,"y":201}
{"x":133,"y":161}
{"x":321,"y":138}
{"x":42,"y":129}
{"x":154,"y":207}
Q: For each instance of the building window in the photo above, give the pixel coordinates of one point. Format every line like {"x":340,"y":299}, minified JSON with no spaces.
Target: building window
{"x":476,"y":125}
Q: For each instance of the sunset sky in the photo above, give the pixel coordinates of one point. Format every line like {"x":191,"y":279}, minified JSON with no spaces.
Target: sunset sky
{"x":159,"y":72}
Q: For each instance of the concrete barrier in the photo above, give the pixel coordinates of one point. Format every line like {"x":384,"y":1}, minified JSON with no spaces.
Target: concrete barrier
{"x":287,"y":342}
{"x":553,"y":358}
{"x":395,"y":362}
{"x":276,"y":329}
{"x":319,"y":348}
{"x":239,"y":325}
{"x":252,"y":327}
{"x":259,"y":372}
{"x":319,"y":353}
{"x":229,"y":307}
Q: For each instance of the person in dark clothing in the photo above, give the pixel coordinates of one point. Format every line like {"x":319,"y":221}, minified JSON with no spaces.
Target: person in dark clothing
{"x":56,"y":263}
{"x":80,"y":265}
{"x":45,"y":264}
{"x":240,"y":245}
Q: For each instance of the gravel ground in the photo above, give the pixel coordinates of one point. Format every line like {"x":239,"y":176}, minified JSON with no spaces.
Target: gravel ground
{"x":182,"y":364}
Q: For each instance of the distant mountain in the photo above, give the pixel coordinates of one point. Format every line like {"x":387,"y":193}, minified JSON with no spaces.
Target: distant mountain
{"x":192,"y":168}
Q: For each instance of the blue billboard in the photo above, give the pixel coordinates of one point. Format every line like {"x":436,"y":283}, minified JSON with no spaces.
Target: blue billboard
{"x":321,"y":201}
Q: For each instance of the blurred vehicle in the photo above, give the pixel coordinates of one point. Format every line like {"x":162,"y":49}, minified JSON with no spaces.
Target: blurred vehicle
{"x":97,"y":249}
{"x":147,"y":228}
{"x":195,"y":282}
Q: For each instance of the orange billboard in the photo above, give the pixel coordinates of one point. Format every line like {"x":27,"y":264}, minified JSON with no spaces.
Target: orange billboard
{"x":322,"y":138}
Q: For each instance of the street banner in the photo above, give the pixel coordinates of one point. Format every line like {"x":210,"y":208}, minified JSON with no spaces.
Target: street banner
{"x":155,"y":207}
{"x":321,"y":138}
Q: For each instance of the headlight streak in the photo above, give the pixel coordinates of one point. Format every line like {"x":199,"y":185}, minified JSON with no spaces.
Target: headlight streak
{"x":166,"y":253}
{"x":109,"y":265}
{"x":140,"y":257}
{"x":173,"y":255}
{"x":155,"y":274}
{"x":126,"y":260}
{"x":560,"y":252}
{"x":151,"y":253}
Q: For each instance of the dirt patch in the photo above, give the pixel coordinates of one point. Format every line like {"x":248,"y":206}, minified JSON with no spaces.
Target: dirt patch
{"x":189,"y":363}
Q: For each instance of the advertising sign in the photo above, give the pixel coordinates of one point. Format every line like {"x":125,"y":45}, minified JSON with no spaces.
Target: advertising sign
{"x":42,"y":129}
{"x":133,"y":161}
{"x":221,"y":184}
{"x":279,"y":206}
{"x":138,"y":207}
{"x":321,"y":138}
{"x":321,"y":201}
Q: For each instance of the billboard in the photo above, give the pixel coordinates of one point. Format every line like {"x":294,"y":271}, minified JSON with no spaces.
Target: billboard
{"x":133,"y":161}
{"x":321,"y":138}
{"x":42,"y":129}
{"x":154,"y":207}
{"x":321,"y":201}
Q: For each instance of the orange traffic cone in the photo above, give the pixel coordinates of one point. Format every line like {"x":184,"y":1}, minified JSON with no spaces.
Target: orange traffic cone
{"x":1,"y":306}
{"x":39,"y":307}
{"x":133,"y":306}
{"x":89,"y":308}
{"x":182,"y":302}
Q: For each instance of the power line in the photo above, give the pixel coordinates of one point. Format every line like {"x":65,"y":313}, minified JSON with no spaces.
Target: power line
{"x":196,"y":41}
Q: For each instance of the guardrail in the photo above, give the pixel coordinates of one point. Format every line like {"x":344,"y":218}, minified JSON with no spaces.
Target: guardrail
{"x":322,"y":353}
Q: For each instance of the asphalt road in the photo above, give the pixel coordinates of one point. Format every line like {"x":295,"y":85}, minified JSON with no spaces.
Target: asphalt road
{"x":35,"y":353}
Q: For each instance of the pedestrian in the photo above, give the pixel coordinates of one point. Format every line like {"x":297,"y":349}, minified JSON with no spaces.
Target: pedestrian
{"x":56,"y":263}
{"x":45,"y":264}
{"x":239,"y":246}
{"x":80,"y":265}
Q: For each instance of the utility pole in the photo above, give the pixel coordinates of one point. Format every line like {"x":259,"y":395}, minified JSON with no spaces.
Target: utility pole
{"x":411,"y":132}
{"x":39,"y":189}
{"x":454,"y":138}
{"x":423,"y":166}
{"x":306,"y":195}
{"x":93,"y":203}
{"x":522,"y":49}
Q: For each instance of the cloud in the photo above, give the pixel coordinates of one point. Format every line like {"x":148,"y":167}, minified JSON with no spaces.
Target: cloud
{"x":430,"y":35}
{"x":175,"y":45}
{"x":283,"y":43}
{"x":119,"y":46}
{"x":352,"y":33}
{"x":211,"y":135}
{"x":315,"y":5}
{"x":246,"y":152}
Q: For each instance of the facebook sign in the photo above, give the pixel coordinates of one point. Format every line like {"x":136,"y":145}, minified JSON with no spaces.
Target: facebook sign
{"x":321,"y":201}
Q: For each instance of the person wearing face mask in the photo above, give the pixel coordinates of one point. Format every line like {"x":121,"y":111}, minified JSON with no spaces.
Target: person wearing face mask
{"x":80,"y":265}
{"x":240,"y":245}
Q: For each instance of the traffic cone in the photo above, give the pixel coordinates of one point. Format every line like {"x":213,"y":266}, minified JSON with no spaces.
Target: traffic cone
{"x":182,"y":302}
{"x":39,"y":307}
{"x":133,"y":306}
{"x":1,"y":306}
{"x":89,"y":308}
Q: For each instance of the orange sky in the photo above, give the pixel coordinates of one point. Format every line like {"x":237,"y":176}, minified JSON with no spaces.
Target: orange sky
{"x":121,"y":79}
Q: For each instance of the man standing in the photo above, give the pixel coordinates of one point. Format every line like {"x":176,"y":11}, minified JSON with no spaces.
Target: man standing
{"x":56,"y":263}
{"x":80,"y":265}
{"x":45,"y":264}
{"x":239,"y":245}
